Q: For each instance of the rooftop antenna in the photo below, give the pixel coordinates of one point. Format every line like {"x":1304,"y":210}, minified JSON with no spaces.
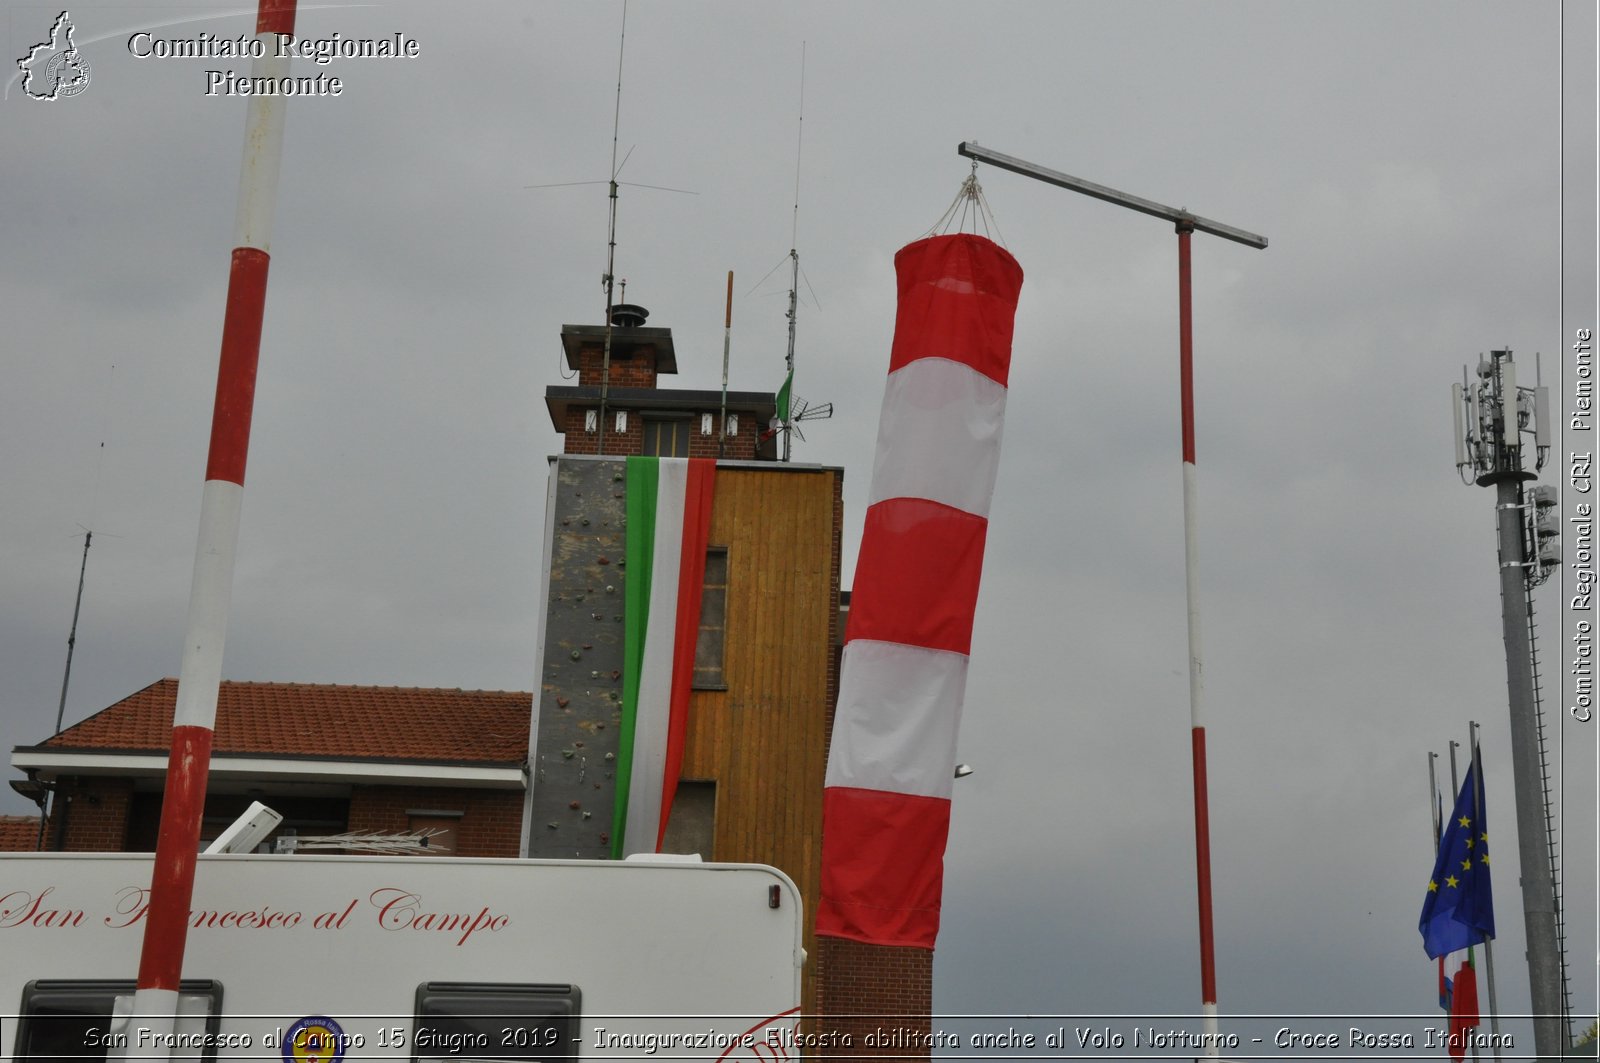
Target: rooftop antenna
{"x":72,"y":635}
{"x":611,"y":239}
{"x":727,"y":342}
{"x":787,"y":416}
{"x":608,"y":278}
{"x":83,"y":567}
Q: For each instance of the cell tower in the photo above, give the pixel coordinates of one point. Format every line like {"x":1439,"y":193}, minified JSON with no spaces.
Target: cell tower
{"x":1494,"y":419}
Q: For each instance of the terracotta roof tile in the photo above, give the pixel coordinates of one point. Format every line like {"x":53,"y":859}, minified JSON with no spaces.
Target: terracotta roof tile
{"x":317,"y":720}
{"x":18,"y":834}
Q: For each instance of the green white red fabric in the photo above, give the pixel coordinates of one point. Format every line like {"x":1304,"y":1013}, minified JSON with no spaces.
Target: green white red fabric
{"x":669,"y":522}
{"x":886,"y":806}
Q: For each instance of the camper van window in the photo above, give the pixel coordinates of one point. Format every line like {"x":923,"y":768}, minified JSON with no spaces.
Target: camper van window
{"x":496,"y":1021}
{"x":72,"y":1021}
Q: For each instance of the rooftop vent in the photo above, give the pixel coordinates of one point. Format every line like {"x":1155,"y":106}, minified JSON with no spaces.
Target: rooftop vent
{"x":628,"y":315}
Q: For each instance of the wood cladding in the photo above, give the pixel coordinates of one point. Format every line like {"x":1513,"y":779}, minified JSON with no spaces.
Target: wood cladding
{"x":763,"y":739}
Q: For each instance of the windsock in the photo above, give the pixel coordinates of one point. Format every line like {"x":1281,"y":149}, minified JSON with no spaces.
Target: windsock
{"x":886,"y":806}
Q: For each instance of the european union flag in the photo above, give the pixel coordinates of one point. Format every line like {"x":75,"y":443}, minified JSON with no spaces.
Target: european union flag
{"x":1459,"y":908}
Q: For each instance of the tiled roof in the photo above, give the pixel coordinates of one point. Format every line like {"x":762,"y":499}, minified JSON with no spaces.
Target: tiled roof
{"x":312,"y":720}
{"x":18,"y":834}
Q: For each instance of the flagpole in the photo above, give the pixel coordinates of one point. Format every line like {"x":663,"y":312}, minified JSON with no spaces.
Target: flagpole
{"x":1488,"y":942}
{"x":1436,"y":814}
{"x":1455,"y":788}
{"x":1432,"y":801}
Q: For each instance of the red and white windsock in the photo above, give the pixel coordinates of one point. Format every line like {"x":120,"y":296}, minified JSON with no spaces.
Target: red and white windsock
{"x":172,"y":883}
{"x":886,"y":806}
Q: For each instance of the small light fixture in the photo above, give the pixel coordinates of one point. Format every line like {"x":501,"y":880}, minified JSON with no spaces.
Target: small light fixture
{"x":591,"y":421}
{"x":622,"y":421}
{"x":705,"y":424}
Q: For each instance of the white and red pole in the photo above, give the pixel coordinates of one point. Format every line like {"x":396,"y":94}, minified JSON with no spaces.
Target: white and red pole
{"x":1191,"y":580}
{"x":1186,"y":224}
{"x":194,"y":718}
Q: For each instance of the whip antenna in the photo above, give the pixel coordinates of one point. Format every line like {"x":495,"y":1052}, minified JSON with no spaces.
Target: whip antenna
{"x":611,"y":237}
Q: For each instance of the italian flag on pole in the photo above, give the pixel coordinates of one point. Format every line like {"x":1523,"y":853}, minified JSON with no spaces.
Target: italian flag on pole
{"x":669,"y":521}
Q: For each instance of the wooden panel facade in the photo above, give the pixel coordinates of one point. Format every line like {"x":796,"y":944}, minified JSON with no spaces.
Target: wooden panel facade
{"x":763,"y":739}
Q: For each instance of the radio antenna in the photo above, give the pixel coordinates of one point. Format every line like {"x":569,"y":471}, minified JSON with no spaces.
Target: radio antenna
{"x":611,"y":238}
{"x":787,"y":395}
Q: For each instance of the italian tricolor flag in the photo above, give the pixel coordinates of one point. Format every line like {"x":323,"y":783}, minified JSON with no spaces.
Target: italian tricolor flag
{"x":669,"y":520}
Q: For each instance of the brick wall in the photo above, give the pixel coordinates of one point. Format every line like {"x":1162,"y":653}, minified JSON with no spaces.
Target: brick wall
{"x":96,"y":815}
{"x":579,"y":441}
{"x":874,"y":993}
{"x":740,"y":446}
{"x":19,"y":834}
{"x":634,"y":369}
{"x":490,"y":823}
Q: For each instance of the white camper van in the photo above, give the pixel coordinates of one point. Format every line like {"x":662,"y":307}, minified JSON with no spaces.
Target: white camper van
{"x":336,"y":959}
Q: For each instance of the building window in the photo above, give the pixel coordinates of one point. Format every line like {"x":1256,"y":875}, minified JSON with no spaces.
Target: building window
{"x":445,"y":828}
{"x":713,"y":622}
{"x":666,"y":438}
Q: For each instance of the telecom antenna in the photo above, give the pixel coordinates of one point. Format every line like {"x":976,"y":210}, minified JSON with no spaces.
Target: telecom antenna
{"x":1493,"y":419}
{"x":790,"y":412}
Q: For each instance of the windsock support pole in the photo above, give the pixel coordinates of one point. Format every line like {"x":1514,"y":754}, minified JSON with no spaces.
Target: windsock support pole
{"x":1186,"y":225}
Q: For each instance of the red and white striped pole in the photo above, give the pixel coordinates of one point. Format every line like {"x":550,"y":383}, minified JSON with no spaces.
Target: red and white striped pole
{"x":1186,"y":224}
{"x":194,"y":718}
{"x":1191,"y":579}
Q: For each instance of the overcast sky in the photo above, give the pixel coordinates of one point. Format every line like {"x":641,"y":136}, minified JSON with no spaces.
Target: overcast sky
{"x":1405,"y":160}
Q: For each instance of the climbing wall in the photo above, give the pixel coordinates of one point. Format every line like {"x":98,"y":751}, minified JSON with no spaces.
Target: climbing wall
{"x":573,"y":760}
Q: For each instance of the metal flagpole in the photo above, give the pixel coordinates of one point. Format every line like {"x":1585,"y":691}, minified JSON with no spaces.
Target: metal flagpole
{"x":1432,"y":799}
{"x":1186,"y":224}
{"x":1435,"y":813}
{"x":155,"y":999}
{"x":1455,"y":790}
{"x":1488,"y":942}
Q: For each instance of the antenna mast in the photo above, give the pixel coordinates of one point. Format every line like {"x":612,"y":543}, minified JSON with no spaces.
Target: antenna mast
{"x":727,"y":341}
{"x":1493,"y":419}
{"x":72,"y":636}
{"x":794,"y":255}
{"x":611,"y":238}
